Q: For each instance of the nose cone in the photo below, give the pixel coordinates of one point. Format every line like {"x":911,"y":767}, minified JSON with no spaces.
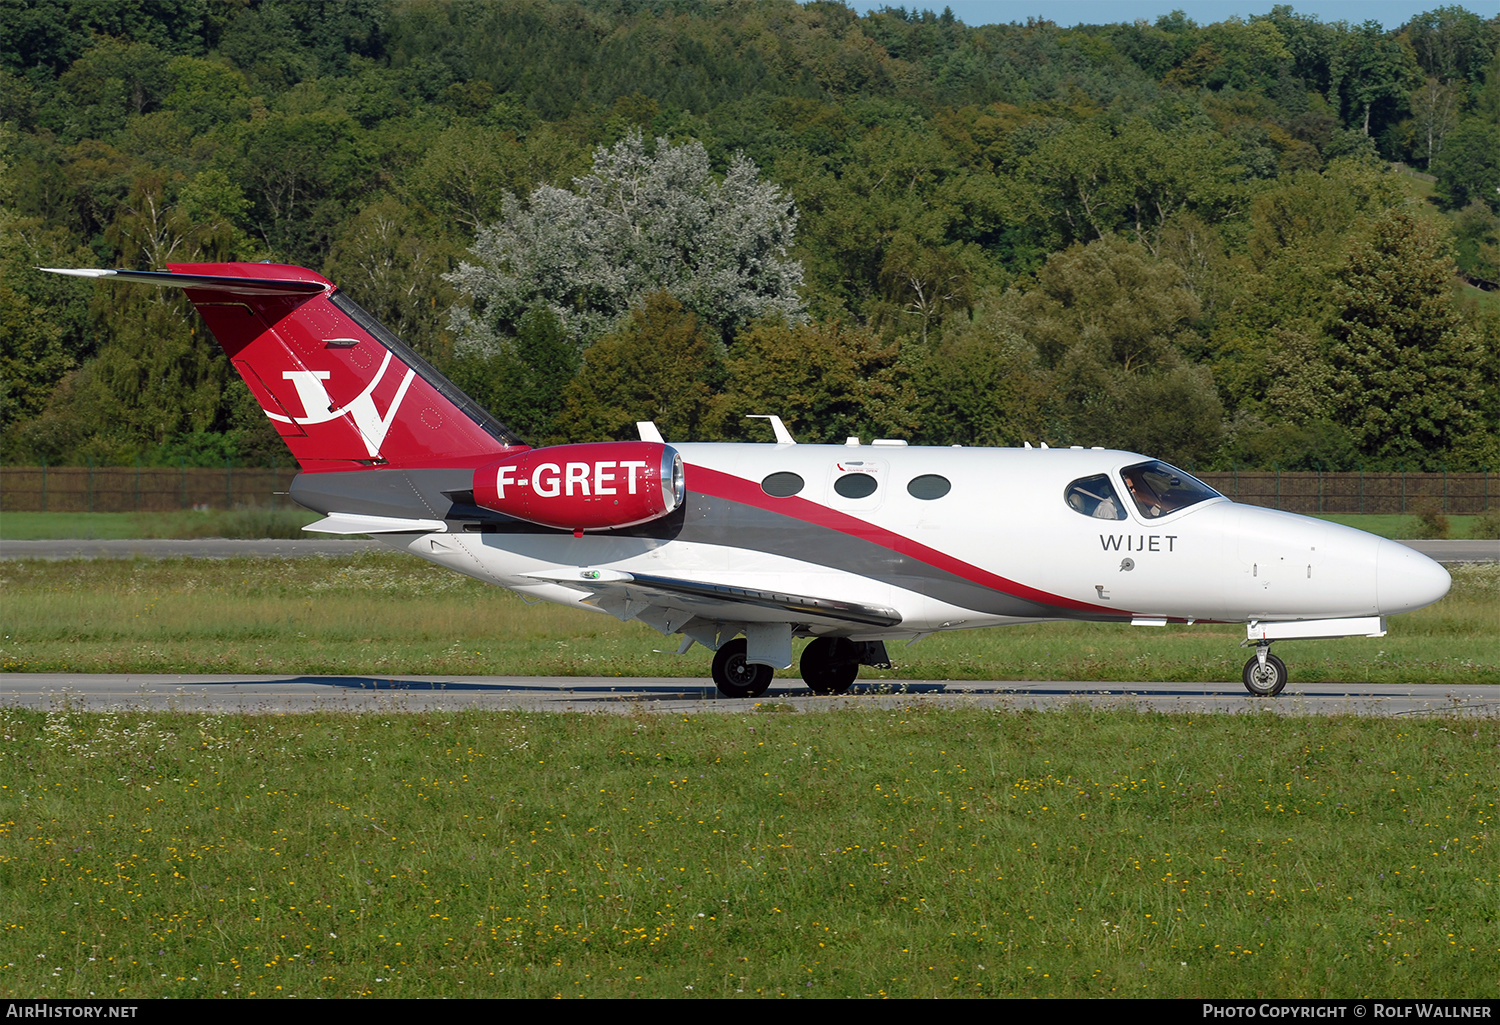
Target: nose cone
{"x":1406,"y":579}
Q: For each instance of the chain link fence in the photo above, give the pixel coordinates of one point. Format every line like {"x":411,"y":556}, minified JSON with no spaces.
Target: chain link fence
{"x":1454,"y":494}
{"x":142,"y":488}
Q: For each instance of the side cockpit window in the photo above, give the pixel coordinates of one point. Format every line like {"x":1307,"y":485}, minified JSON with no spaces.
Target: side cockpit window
{"x":1159,"y":489}
{"x":1094,"y":496}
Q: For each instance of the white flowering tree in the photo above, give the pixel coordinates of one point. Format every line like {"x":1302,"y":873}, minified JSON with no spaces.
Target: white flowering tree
{"x":642,"y":222}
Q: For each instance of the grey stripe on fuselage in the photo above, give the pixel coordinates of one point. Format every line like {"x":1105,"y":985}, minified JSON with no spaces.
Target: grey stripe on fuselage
{"x":702,"y":519}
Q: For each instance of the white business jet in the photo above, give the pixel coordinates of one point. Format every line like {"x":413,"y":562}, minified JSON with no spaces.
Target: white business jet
{"x":744,"y":548}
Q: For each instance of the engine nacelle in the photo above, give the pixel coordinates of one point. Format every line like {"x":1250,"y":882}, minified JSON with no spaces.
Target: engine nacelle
{"x":585,"y":487}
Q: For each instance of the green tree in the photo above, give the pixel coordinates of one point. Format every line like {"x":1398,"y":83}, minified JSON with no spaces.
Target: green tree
{"x":1476,"y":241}
{"x":898,"y":230}
{"x":153,"y":380}
{"x":826,"y":381}
{"x":1088,"y":180}
{"x":1282,"y":287}
{"x":205,"y":93}
{"x":523,"y":380}
{"x":1452,"y":44}
{"x":659,"y":365}
{"x":302,"y":173}
{"x":43,"y":328}
{"x":1115,"y":329}
{"x":982,"y":383}
{"x":392,"y":261}
{"x":466,"y":174}
{"x":1434,"y":112}
{"x":1468,"y":168}
{"x":469,"y":169}
{"x":165,"y":220}
{"x":1236,"y":55}
{"x":1480,"y":448}
{"x":33,"y":357}
{"x":114,"y":80}
{"x":1372,"y":71}
{"x":1406,"y":365}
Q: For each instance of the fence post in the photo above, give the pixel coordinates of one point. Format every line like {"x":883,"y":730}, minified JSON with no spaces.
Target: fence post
{"x":137,"y":483}
{"x":182,"y":478}
{"x":228,"y":485}
{"x":1445,"y":489}
{"x":1403,"y":492}
{"x":91,"y":483}
{"x":1361,"y":490}
{"x":44,"y":486}
{"x":1320,"y":491}
{"x":1278,"y":484}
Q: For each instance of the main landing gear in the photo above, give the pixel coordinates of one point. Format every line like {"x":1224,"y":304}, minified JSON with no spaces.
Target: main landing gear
{"x":1265,"y":674}
{"x":737,"y":678}
{"x":830,"y":664}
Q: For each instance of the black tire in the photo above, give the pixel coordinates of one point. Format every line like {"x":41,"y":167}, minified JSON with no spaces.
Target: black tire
{"x":1265,"y":682}
{"x":737,"y":678}
{"x":830,"y":665}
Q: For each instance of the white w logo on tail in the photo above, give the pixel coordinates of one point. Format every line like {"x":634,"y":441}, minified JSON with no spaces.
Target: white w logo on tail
{"x":318,"y":408}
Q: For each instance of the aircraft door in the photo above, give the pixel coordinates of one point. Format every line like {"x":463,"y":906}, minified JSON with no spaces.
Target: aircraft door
{"x":858,"y":484}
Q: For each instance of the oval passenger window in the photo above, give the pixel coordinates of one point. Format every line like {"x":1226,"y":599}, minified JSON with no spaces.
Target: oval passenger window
{"x":929,"y":486}
{"x":855,"y":485}
{"x":782,"y":485}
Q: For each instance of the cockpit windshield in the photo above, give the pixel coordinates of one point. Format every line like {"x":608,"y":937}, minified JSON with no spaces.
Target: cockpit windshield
{"x":1159,"y":489}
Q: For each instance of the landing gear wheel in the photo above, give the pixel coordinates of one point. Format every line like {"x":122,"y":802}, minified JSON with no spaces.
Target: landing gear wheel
{"x":737,"y":678}
{"x":829,"y":665}
{"x":1265,"y":681}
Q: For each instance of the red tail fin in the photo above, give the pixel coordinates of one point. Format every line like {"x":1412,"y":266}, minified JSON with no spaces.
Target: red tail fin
{"x":341,"y":389}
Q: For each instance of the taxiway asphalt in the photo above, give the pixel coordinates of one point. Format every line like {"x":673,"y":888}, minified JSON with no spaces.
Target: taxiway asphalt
{"x":307,"y":693}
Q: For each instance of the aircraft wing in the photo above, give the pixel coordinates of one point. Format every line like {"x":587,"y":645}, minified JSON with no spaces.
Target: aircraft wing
{"x":667,"y":603}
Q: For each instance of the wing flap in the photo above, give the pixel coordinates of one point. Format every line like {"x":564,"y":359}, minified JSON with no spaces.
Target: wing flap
{"x":709,"y":600}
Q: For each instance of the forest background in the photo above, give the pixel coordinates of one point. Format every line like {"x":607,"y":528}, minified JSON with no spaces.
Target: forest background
{"x":1252,"y":244}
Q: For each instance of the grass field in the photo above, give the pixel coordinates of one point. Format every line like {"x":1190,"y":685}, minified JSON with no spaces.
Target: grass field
{"x":909,"y":852}
{"x":913,"y":852}
{"x":1397,"y":527}
{"x":384,"y":614}
{"x":236,"y":523}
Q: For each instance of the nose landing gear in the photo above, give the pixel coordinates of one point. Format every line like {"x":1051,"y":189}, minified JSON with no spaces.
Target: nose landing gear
{"x":1265,"y":674}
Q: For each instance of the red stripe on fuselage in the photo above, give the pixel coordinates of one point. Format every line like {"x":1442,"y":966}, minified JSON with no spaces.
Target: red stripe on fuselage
{"x":736,"y":489}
